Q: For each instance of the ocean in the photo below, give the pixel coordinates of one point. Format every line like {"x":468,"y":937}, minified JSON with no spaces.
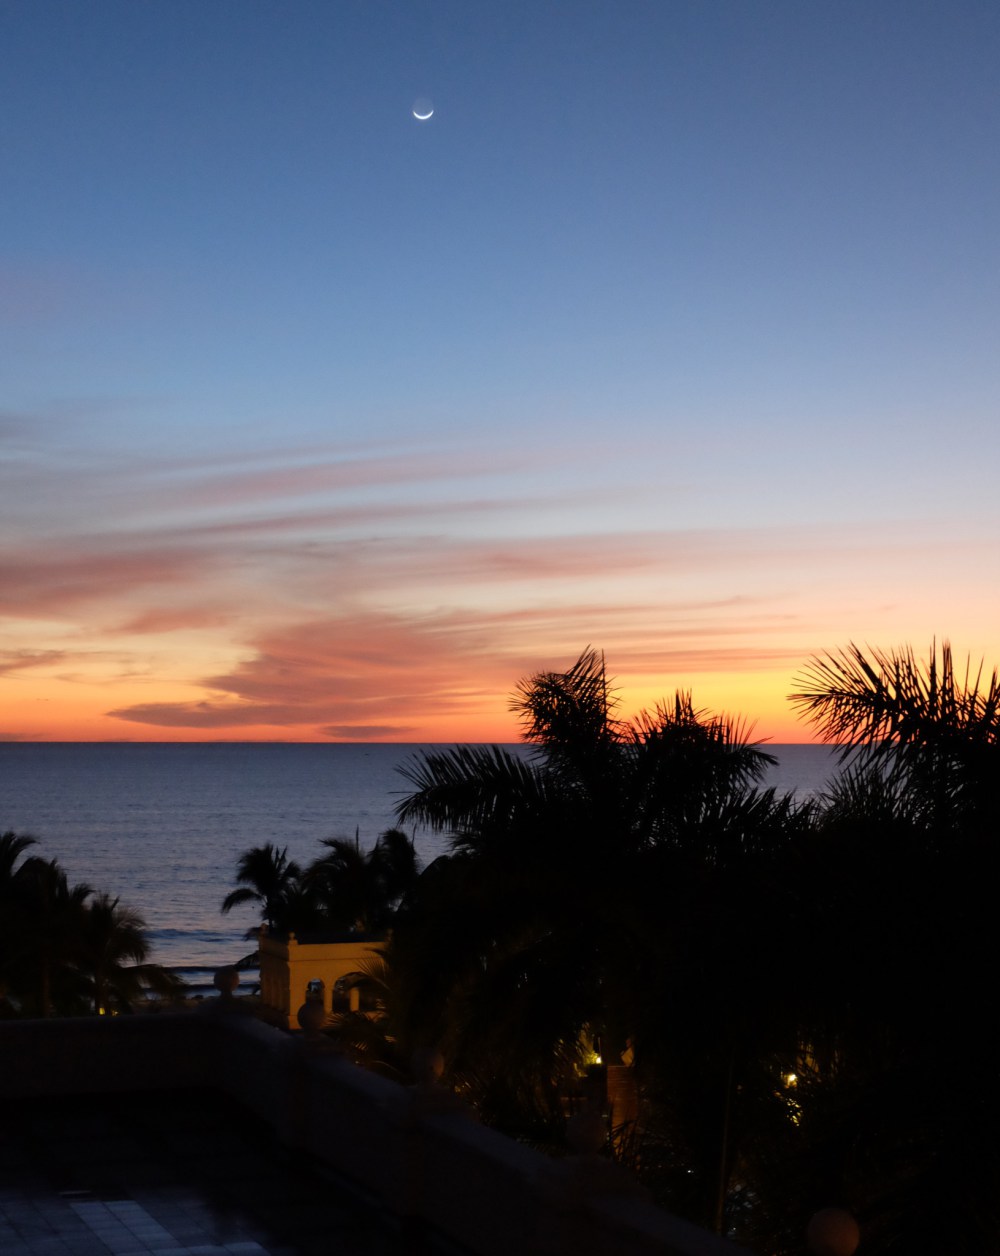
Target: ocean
{"x":163,"y":825}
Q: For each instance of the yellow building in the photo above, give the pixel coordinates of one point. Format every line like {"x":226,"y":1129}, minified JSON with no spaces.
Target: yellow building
{"x":294,"y":970}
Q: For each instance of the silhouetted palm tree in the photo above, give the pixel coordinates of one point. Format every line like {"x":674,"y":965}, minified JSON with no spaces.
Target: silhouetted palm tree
{"x":566,"y":909}
{"x":12,"y":941}
{"x":345,"y":890}
{"x":358,"y":891}
{"x":12,"y":847}
{"x":601,"y":785}
{"x":113,"y":951}
{"x":269,"y":878}
{"x":396,"y":866}
{"x":896,"y":1117}
{"x":886,"y":700}
{"x":62,"y":947}
{"x":924,"y":727}
{"x":50,"y":915}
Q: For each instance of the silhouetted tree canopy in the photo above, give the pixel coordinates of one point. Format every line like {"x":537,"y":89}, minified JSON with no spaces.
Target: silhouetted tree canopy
{"x":64,"y":949}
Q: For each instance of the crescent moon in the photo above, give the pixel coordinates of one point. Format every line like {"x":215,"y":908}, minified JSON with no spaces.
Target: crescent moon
{"x":422,"y":117}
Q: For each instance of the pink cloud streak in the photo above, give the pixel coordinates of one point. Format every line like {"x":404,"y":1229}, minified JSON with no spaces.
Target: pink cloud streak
{"x":377,"y":675}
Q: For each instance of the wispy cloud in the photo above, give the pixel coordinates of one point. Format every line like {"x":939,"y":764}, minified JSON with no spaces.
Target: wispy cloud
{"x":22,"y":660}
{"x":366,"y":670}
{"x":325,"y":472}
{"x":38,"y":580}
{"x":359,"y":594}
{"x":369,"y":732}
{"x":178,"y":618}
{"x":374,"y":674}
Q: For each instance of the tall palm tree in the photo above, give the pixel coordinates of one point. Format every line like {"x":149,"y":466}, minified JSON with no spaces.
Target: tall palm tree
{"x":627,"y":785}
{"x":62,"y":947}
{"x":396,"y":867}
{"x":12,"y":848}
{"x":566,"y":904}
{"x":931,"y":726}
{"x":358,"y":891}
{"x":269,"y":878}
{"x":345,"y":890}
{"x":113,"y":952}
{"x":903,"y":947}
{"x":341,"y":881}
{"x":51,"y":916}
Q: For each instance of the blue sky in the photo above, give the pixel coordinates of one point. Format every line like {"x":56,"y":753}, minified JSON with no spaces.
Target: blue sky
{"x":674,"y":331}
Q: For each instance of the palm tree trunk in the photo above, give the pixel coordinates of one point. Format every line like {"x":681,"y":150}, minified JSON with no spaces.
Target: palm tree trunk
{"x":722,"y":1187}
{"x":46,"y":990}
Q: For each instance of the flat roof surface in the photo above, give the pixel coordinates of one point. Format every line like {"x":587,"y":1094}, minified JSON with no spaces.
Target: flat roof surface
{"x":185,"y":1173}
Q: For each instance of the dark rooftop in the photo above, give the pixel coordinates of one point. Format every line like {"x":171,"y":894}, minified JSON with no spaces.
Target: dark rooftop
{"x":185,"y":1173}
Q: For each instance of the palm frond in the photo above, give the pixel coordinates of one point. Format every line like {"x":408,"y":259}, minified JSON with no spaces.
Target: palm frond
{"x":12,"y":847}
{"x":112,"y":932}
{"x":470,"y":787}
{"x":566,"y":710}
{"x":265,"y":875}
{"x":882,"y":700}
{"x":236,"y":898}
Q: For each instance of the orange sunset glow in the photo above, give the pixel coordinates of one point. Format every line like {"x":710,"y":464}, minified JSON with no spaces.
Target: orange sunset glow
{"x":323,"y":422}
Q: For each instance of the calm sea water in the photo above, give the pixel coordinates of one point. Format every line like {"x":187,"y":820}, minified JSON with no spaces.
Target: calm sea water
{"x":162,"y":826}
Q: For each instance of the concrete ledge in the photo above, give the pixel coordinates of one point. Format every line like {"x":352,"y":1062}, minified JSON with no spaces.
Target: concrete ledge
{"x":407,"y":1147}
{"x":100,"y":1054}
